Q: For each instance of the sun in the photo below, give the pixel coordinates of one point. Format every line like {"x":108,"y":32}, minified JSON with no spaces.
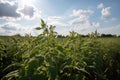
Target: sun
{"x":26,"y":2}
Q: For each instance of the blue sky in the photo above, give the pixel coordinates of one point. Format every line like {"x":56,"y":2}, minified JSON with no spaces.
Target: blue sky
{"x":82,"y":16}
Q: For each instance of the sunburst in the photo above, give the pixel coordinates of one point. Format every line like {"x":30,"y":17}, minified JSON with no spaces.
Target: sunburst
{"x":26,"y":2}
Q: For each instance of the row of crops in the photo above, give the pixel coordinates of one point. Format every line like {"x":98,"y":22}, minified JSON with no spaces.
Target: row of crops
{"x":46,"y":57}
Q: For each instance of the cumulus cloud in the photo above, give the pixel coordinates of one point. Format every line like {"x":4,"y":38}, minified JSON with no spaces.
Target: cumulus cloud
{"x":11,"y":2}
{"x":10,"y":10}
{"x":82,"y":12}
{"x":85,"y":26}
{"x":100,"y":6}
{"x":80,"y":21}
{"x":8,"y":27}
{"x":56,"y":20}
{"x":11,"y":28}
{"x":27,"y":11}
{"x":81,"y":16}
{"x":110,"y":29}
{"x":105,"y":11}
{"x":96,"y":24}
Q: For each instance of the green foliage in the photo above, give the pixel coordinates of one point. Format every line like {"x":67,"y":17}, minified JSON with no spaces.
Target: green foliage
{"x":46,"y":57}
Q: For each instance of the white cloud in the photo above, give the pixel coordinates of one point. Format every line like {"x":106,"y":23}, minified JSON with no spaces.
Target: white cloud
{"x":80,"y":21}
{"x":96,"y":24}
{"x":110,"y":30}
{"x":100,"y":6}
{"x":12,"y":2}
{"x":106,"y":12}
{"x":56,"y":20}
{"x":10,"y":25}
{"x":87,"y":25}
{"x":29,"y":12}
{"x":81,"y":16}
{"x":85,"y":28}
{"x":9,"y":28}
{"x":12,"y":28}
{"x":57,"y":23}
{"x":10,"y":10}
{"x":80,"y":12}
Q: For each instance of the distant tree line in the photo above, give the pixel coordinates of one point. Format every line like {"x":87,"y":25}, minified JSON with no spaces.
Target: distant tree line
{"x":82,"y":35}
{"x":101,"y":35}
{"x":109,"y":35}
{"x":61,"y":36}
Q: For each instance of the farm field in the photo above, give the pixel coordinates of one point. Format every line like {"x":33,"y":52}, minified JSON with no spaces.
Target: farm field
{"x":46,"y":57}
{"x":59,"y":39}
{"x":110,"y":42}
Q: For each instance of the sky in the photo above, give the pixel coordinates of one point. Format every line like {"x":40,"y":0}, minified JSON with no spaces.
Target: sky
{"x":81,"y":16}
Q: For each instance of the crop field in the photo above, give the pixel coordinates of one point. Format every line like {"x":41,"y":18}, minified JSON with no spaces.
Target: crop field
{"x":46,"y":57}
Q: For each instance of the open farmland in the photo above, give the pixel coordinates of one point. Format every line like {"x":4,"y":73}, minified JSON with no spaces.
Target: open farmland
{"x":46,"y":57}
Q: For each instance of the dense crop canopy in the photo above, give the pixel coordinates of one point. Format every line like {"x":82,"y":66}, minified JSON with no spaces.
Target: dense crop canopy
{"x":47,"y":57}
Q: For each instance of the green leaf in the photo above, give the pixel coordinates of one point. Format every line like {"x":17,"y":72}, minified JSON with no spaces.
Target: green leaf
{"x":60,"y":48}
{"x":11,"y":74}
{"x":83,"y":71}
{"x":52,"y":72}
{"x":43,"y":24}
{"x":38,"y":28}
{"x":38,"y":77}
{"x":34,"y":52}
{"x":40,"y":59}
{"x":12,"y":66}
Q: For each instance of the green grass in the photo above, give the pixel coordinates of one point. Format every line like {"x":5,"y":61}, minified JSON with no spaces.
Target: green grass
{"x":111,"y":43}
{"x":113,"y":40}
